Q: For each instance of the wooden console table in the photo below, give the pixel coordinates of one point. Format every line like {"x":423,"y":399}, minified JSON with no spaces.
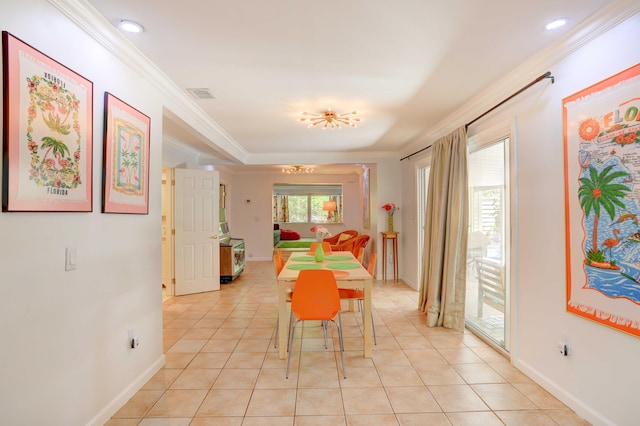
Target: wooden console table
{"x":393,"y":237}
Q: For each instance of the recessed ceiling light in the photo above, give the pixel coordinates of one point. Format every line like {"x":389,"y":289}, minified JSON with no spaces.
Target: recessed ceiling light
{"x":131,"y":27}
{"x":556,"y":23}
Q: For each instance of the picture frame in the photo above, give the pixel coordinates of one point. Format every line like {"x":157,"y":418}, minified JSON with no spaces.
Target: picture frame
{"x":47,"y":133}
{"x":366,"y":194}
{"x":125,"y":158}
{"x":602,"y":201}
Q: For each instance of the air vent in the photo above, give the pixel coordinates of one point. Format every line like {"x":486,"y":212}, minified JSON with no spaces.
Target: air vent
{"x":201,"y":93}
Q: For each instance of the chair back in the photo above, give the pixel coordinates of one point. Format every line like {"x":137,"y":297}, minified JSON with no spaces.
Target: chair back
{"x":360,"y":254}
{"x":277,"y":262}
{"x":326,"y":247}
{"x":372,"y":264}
{"x":356,"y":243}
{"x":341,"y":237}
{"x":279,"y":253}
{"x":315,"y":296}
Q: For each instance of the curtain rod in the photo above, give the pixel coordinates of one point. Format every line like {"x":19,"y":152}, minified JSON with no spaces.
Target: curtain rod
{"x":537,"y":80}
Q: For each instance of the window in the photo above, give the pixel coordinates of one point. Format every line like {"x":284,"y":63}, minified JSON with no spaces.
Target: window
{"x":307,"y":203}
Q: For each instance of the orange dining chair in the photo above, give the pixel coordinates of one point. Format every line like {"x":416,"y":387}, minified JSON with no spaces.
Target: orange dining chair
{"x":358,"y":294}
{"x":360,"y":254}
{"x":279,"y":253}
{"x":326,"y":247}
{"x":279,"y":264}
{"x":316,"y":298}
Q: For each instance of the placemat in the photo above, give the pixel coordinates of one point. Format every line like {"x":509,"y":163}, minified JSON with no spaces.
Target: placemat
{"x":301,"y":266}
{"x":303,"y":258}
{"x":340,"y":274}
{"x":337,"y":257}
{"x":352,"y":265}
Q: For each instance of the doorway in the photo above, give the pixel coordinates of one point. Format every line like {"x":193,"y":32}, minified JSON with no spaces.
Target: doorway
{"x":168,"y":277}
{"x":190,"y":228}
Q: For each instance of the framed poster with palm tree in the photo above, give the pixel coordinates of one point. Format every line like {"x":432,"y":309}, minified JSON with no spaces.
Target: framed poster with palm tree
{"x":48,"y":132}
{"x":602,"y":201}
{"x":126,"y":158}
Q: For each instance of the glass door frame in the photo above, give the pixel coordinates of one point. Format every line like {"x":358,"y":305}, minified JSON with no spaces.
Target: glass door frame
{"x":476,"y":141}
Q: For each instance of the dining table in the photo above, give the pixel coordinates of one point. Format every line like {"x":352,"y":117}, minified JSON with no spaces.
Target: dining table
{"x":349,"y":273}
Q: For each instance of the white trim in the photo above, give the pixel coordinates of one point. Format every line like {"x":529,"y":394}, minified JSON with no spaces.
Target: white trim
{"x":608,"y":17}
{"x":85,"y":16}
{"x":118,"y":402}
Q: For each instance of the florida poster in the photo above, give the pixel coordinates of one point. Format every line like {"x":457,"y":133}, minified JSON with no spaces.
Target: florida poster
{"x":126,"y":158}
{"x":48,"y":132}
{"x":602,"y":193}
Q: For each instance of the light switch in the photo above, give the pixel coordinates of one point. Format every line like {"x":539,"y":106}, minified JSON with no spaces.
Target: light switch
{"x":70,"y":259}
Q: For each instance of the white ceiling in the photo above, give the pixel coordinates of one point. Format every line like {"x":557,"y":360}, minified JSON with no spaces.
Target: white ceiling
{"x":405,"y":65}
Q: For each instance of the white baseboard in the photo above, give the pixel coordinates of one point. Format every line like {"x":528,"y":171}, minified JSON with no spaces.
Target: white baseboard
{"x":110,"y":409}
{"x":580,"y":408}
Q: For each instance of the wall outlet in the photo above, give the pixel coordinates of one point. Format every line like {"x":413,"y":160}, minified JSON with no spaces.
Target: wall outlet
{"x":132,"y":339}
{"x":563,"y":349}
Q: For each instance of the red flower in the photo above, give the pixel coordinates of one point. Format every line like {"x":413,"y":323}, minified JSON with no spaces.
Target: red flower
{"x":390,"y":208}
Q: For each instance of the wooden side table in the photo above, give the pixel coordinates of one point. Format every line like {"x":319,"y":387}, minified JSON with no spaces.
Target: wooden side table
{"x":393,"y":237}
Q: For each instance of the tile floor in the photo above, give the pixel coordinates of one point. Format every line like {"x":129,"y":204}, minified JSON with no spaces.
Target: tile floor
{"x":222,"y":369}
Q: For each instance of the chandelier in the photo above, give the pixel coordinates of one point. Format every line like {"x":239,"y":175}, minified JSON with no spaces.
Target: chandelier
{"x":331,"y":119}
{"x":297,"y":170}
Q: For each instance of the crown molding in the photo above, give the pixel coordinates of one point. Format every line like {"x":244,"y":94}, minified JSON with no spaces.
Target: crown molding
{"x":602,"y":21}
{"x":320,"y":157}
{"x":85,"y":16}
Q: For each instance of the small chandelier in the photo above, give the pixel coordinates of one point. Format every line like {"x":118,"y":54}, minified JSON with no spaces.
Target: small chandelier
{"x":297,"y":170}
{"x":331,"y":119}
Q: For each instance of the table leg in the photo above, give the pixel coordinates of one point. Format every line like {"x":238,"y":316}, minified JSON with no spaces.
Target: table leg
{"x":395,"y":259}
{"x":384,"y":259}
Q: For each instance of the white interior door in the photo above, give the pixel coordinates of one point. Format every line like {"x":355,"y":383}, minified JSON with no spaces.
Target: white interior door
{"x":197,"y":249}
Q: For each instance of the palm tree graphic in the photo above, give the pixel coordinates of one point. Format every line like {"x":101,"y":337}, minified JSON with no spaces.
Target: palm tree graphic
{"x":597,"y":192}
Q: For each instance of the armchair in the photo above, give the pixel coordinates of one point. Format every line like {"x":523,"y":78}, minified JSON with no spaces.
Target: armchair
{"x":352,"y":244}
{"x":341,"y":237}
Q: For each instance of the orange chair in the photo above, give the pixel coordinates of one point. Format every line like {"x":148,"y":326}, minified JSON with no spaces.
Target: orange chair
{"x":316,"y":298}
{"x":326,"y":247}
{"x":358,"y":294}
{"x":341,"y":237}
{"x":353,"y":245}
{"x":360,"y":254}
{"x":278,"y":263}
{"x":279,"y":253}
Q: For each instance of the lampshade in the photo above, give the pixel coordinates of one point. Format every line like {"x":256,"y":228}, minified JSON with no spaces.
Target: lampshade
{"x":329,"y":206}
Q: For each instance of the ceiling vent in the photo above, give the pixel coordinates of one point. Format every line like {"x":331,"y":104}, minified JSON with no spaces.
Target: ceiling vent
{"x":201,"y":93}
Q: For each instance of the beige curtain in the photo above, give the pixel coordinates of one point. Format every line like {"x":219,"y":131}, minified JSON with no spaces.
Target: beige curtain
{"x":443,"y":283}
{"x":274,"y":213}
{"x":285,"y":209}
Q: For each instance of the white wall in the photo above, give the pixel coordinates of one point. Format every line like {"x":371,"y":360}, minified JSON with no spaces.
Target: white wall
{"x":252,"y":221}
{"x":65,"y":359}
{"x":600,"y":378}
{"x":249,"y":212}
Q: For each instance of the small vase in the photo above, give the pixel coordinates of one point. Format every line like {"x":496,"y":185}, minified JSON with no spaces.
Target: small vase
{"x":319,"y":254}
{"x":390,"y":224}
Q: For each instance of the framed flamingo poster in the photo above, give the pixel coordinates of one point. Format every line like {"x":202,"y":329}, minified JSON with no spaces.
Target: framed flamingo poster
{"x":47,"y":134}
{"x":126,"y":158}
{"x":602,"y":201}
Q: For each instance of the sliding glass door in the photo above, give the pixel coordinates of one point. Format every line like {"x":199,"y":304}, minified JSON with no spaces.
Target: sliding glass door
{"x":487,"y":245}
{"x":423,"y":186}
